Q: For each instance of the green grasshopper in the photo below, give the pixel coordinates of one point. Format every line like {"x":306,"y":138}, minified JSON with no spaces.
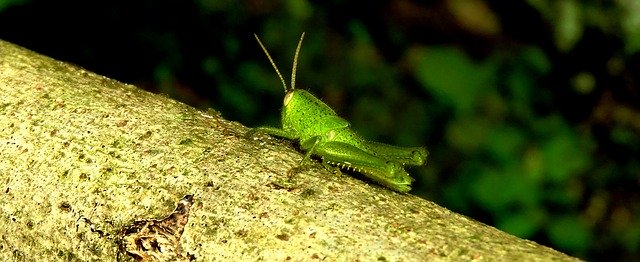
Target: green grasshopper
{"x":321,"y":132}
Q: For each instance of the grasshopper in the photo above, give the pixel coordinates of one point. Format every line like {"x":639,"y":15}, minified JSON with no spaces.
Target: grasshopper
{"x":322,"y":133}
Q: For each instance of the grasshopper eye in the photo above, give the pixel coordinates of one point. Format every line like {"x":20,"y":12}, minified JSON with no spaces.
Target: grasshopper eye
{"x":287,"y":98}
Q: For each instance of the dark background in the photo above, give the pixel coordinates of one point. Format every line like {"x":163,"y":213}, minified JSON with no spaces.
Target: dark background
{"x":529,"y":108}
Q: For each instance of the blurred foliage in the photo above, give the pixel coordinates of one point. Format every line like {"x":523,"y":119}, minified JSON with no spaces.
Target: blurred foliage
{"x":529,"y":108}
{"x":4,"y":4}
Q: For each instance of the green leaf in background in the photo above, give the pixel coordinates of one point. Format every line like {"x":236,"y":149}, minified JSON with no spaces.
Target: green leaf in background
{"x":165,"y":79}
{"x":4,"y":4}
{"x":565,"y":157}
{"x":452,"y":77}
{"x":536,"y":60}
{"x":565,"y":153}
{"x":569,"y":27}
{"x":630,"y":23}
{"x":533,"y":164}
{"x":217,"y":5}
{"x":506,"y":143}
{"x":624,"y":135}
{"x":468,"y":133}
{"x":299,"y":9}
{"x":524,"y":223}
{"x":254,"y":75}
{"x":631,"y":234}
{"x":244,"y":103}
{"x":211,"y":66}
{"x":521,"y":78}
{"x":363,"y":112}
{"x":566,"y":18}
{"x":570,"y":233}
{"x":365,"y":65}
{"x":501,"y":189}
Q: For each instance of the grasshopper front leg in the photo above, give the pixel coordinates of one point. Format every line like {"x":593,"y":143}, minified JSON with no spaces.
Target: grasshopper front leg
{"x":271,"y":131}
{"x":280,"y":133}
{"x":386,"y":172}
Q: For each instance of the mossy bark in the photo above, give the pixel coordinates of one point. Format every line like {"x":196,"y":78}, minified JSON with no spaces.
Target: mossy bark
{"x":83,"y":157}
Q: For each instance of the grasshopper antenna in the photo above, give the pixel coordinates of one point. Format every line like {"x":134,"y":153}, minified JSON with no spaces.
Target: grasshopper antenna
{"x":274,"y":64}
{"x":295,"y":63}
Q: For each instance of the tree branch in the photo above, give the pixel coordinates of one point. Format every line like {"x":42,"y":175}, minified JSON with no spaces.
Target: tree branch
{"x":87,"y":163}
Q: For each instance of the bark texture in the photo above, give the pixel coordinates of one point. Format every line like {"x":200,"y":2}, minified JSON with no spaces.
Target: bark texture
{"x":87,"y":163}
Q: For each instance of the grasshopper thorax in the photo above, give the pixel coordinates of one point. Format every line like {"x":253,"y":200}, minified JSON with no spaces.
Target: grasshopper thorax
{"x":289,"y":91}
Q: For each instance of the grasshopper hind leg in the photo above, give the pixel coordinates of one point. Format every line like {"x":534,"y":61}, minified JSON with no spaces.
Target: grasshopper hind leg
{"x":385,"y":172}
{"x":406,"y":155}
